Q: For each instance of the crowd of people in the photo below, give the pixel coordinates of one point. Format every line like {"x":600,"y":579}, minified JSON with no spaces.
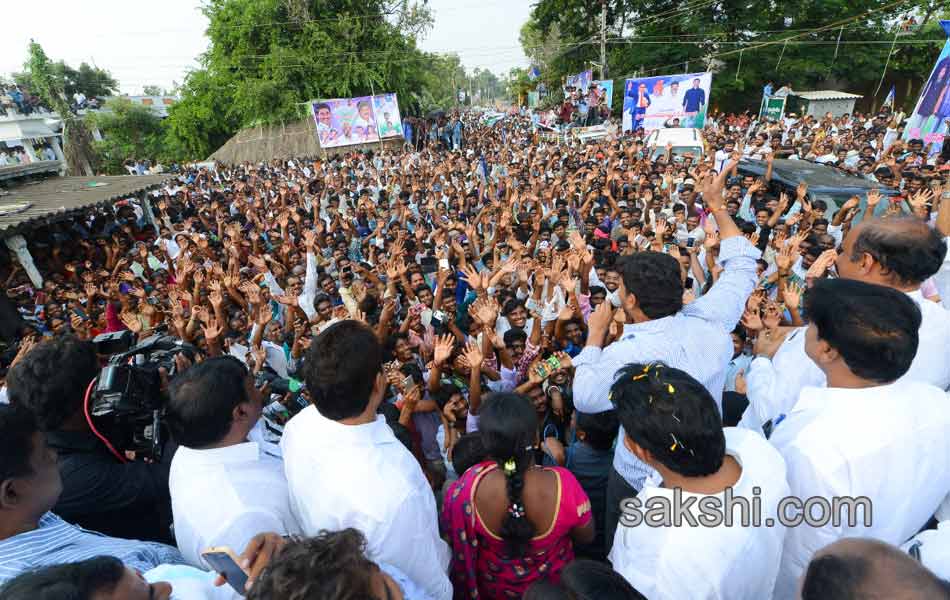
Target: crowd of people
{"x":457,"y":370}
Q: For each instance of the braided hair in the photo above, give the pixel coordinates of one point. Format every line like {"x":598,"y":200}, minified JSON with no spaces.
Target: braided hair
{"x":672,"y":416}
{"x":508,"y":426}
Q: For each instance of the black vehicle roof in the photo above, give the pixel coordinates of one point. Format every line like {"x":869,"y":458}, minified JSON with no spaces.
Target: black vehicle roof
{"x":821,"y":179}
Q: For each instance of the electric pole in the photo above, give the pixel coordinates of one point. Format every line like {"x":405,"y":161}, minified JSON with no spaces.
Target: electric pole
{"x":603,"y":39}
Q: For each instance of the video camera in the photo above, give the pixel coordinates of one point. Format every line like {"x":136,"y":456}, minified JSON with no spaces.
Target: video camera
{"x":126,"y":405}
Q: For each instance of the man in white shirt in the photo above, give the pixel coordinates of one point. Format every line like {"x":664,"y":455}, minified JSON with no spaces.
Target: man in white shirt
{"x":672,"y":424}
{"x":695,"y":337}
{"x":900,"y":253}
{"x":840,"y":440}
{"x":346,"y":468}
{"x":225,"y":488}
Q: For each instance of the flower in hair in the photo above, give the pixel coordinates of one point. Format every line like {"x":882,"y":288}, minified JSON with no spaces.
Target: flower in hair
{"x":510,"y":467}
{"x":516,"y":510}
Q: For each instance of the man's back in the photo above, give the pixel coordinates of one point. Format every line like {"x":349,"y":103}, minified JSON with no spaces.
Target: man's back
{"x":890,"y":444}
{"x":361,"y":476}
{"x":226,"y":496}
{"x":735,"y":561}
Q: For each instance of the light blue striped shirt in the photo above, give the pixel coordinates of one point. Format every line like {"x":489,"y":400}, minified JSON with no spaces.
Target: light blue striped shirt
{"x":55,"y":541}
{"x":696,"y":340}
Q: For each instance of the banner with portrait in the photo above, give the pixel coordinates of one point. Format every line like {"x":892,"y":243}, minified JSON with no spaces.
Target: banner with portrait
{"x":605,"y":88}
{"x":666,"y":101}
{"x":386,"y":111}
{"x":930,"y":120}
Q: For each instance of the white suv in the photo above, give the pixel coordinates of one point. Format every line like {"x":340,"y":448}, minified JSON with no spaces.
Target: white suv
{"x":683,"y":140}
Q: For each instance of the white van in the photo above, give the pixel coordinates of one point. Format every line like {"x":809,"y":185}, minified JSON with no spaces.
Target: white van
{"x":684,"y":141}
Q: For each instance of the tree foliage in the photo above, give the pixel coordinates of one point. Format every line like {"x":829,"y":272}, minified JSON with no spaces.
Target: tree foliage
{"x":655,"y":37}
{"x":77,"y":143}
{"x":130,"y":131}
{"x":267,"y":58}
{"x":91,"y":81}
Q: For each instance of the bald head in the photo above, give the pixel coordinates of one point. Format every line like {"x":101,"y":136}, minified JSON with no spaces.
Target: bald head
{"x":897,"y":252}
{"x":865,"y":569}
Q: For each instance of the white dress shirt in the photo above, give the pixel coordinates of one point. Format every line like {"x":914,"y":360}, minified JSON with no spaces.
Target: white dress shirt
{"x":361,"y":476}
{"x":774,"y":386}
{"x":727,"y":563}
{"x":942,"y":279}
{"x":696,"y":340}
{"x":226,"y":496}
{"x":889,"y":443}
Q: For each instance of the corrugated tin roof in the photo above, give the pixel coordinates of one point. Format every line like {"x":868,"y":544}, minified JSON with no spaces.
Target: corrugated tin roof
{"x":826,"y":95}
{"x":57,"y":198}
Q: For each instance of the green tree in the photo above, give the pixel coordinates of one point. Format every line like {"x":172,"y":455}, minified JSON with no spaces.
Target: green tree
{"x":267,"y":58}
{"x":742,"y":42}
{"x":91,"y":81}
{"x":153,"y":90}
{"x":77,"y":143}
{"x":129,"y":131}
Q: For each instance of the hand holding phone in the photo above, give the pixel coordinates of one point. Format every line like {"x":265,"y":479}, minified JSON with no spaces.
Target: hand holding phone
{"x":223,"y":560}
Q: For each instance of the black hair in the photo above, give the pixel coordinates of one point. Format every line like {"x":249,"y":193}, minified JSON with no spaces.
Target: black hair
{"x":906,"y":247}
{"x":514,"y":335}
{"x":672,"y":416}
{"x":654,"y":278}
{"x":593,"y":580}
{"x":508,"y":425}
{"x":331,"y":566}
{"x":17,"y":426}
{"x":341,"y":368}
{"x":442,"y":395}
{"x":468,"y":452}
{"x":600,"y":428}
{"x":511,"y":306}
{"x":202,"y":400}
{"x":850,"y":574}
{"x":543,"y":589}
{"x":51,"y":380}
{"x":874,"y":328}
{"x":819,"y":205}
{"x":69,"y":581}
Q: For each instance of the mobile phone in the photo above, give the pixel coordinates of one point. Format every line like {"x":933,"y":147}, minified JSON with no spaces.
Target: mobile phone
{"x":439,"y":322}
{"x":79,"y":313}
{"x":690,"y":242}
{"x":366,"y":265}
{"x":223,"y":560}
{"x":688,"y":284}
{"x":407,"y":382}
{"x":443,"y":264}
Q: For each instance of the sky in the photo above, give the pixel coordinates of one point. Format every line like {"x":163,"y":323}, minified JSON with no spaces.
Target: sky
{"x":157,"y":43}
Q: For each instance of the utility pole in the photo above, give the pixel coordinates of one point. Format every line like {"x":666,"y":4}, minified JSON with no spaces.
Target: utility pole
{"x":603,"y":39}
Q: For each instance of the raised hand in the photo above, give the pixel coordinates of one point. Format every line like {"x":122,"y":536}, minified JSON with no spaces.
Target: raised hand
{"x":264,"y":315}
{"x":473,"y":355}
{"x":212,"y":329}
{"x":442,"y":349}
{"x":821,"y":264}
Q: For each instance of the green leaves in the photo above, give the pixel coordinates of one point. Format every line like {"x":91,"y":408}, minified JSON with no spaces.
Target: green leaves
{"x":267,"y":58}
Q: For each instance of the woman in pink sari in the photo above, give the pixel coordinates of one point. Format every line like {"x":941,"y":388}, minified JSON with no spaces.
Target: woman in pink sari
{"x":508,"y":521}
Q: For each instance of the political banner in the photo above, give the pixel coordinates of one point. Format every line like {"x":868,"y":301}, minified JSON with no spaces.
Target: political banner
{"x":388,"y":120}
{"x":654,"y":102}
{"x":345,"y":121}
{"x":533,"y":99}
{"x":930,"y":120}
{"x":605,"y":87}
{"x":773,"y":108}
{"x":584,"y":80}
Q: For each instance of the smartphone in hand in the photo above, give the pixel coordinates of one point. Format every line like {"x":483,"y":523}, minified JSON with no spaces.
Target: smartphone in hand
{"x":223,"y":560}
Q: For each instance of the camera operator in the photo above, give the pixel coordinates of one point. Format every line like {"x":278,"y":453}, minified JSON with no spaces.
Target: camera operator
{"x":128,"y":500}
